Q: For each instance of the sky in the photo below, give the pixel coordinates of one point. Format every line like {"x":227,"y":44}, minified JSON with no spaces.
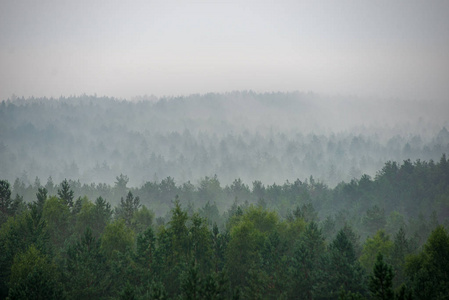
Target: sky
{"x":384,"y":48}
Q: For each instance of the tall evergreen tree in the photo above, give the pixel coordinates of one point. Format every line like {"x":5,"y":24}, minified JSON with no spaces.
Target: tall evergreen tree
{"x":41,"y":196}
{"x":127,"y":208}
{"x":381,"y":281}
{"x":87,"y":275}
{"x":344,"y":270}
{"x":65,"y":193}
{"x":5,"y":200}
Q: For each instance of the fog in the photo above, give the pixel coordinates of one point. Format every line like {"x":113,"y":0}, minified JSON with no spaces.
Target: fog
{"x":267,"y":90}
{"x":271,"y":137}
{"x":387,"y":49}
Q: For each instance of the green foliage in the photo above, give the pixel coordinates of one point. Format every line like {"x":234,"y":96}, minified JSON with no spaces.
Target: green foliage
{"x":381,"y":281}
{"x":142,"y":219}
{"x":65,"y":193}
{"x":344,"y":270}
{"x":86,"y":271}
{"x":117,"y":237}
{"x":127,"y":208}
{"x":103,"y":214}
{"x":380,"y":242}
{"x":374,"y":220}
{"x":307,"y":264}
{"x":34,"y":277}
{"x":41,"y":197}
{"x":128,"y":293}
{"x":429,"y":269}
{"x":57,"y":215}
{"x":344,"y":295}
{"x":401,"y":248}
{"x":265,"y":255}
{"x":16,"y":236}
{"x":5,"y":201}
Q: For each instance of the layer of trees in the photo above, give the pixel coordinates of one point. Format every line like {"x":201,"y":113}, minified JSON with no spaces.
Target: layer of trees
{"x":381,"y":238}
{"x":267,"y":137}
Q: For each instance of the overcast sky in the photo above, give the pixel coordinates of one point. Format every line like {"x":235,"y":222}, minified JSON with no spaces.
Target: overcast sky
{"x":129,"y":48}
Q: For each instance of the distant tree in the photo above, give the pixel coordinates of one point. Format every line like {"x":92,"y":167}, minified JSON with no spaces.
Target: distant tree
{"x":37,"y":183}
{"x":120,"y":184}
{"x":50,"y":186}
{"x":374,"y":219}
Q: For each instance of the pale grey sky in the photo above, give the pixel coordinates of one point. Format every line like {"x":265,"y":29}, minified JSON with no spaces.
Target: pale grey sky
{"x":127,"y":48}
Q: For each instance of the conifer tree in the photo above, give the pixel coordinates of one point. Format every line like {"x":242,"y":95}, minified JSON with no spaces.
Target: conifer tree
{"x":381,"y":281}
{"x":65,"y":193}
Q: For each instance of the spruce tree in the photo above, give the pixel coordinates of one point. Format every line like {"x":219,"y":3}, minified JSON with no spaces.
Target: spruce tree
{"x":65,"y":193}
{"x":381,"y":281}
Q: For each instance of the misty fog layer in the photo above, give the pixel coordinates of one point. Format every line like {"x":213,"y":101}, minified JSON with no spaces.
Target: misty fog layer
{"x":270,"y":137}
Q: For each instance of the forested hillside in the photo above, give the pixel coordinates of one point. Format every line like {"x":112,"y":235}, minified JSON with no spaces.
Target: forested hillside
{"x":371,"y":238}
{"x":223,"y":196}
{"x":269,"y":137}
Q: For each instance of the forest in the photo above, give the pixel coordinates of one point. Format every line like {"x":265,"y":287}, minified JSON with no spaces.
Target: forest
{"x":193,"y":198}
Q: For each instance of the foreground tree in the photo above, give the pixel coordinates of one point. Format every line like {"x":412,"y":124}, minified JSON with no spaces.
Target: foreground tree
{"x":87,"y":275}
{"x":34,"y":277}
{"x":5,"y":200}
{"x":345,"y":271}
{"x":381,"y":281}
{"x":429,"y":269}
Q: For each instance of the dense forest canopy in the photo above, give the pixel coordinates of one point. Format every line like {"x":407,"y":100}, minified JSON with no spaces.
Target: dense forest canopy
{"x":270,"y":137}
{"x":223,"y":196}
{"x":372,"y":238}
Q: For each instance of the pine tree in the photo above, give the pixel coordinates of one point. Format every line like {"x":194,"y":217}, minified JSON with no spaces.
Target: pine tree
{"x":344,"y":269}
{"x":41,"y":196}
{"x":381,"y":281}
{"x":127,"y":208}
{"x":65,"y":193}
{"x":5,"y":200}
{"x":86,"y":269}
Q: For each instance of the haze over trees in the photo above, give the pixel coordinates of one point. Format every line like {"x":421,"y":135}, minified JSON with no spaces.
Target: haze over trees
{"x":195,"y":198}
{"x":269,"y":137}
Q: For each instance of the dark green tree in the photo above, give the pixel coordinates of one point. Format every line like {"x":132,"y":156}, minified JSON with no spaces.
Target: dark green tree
{"x":41,"y":196}
{"x":429,"y":269}
{"x":344,"y":270}
{"x":381,"y":281}
{"x":34,"y":277}
{"x":307,"y":263}
{"x":400,"y":249}
{"x":127,"y":208}
{"x":86,"y":271}
{"x":191,"y":283}
{"x":5,"y":201}
{"x":103,"y":215}
{"x":65,"y":193}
